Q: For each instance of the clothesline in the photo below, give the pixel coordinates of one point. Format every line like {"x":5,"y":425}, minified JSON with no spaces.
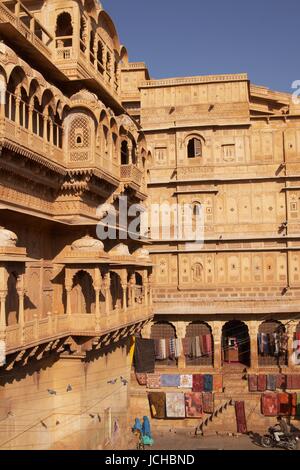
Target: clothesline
{"x":194,"y":347}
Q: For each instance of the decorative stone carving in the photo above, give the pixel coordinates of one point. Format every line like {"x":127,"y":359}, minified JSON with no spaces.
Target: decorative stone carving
{"x":85,"y":95}
{"x":7,"y":238}
{"x":87,"y":243}
{"x":142,"y":253}
{"x":120,"y":250}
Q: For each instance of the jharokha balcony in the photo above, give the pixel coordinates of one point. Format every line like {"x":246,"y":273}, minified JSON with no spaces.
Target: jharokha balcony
{"x":96,"y":295}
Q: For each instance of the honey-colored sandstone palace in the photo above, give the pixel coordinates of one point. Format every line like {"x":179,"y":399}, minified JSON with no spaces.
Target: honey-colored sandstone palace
{"x":80,"y":126}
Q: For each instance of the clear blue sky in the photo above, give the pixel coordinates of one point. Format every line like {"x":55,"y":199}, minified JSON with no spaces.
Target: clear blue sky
{"x":199,"y":37}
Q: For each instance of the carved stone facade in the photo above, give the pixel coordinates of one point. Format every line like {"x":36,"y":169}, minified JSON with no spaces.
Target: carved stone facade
{"x":80,"y":126}
{"x":69,"y":302}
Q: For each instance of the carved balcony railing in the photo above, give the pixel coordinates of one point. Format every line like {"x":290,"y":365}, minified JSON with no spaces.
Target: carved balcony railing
{"x":131,"y":174}
{"x":20,"y":137}
{"x":17,"y":15}
{"x":38,"y":331}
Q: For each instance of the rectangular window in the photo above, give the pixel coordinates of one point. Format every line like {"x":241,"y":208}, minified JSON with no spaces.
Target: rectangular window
{"x":160,"y":155}
{"x":228,"y":151}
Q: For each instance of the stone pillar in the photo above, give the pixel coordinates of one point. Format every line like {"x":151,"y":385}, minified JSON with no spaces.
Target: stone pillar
{"x":18,"y":102}
{"x":216,"y":328}
{"x":21,"y":294}
{"x":181,"y":333}
{"x":132,"y":290}
{"x":45,"y":120}
{"x":97,"y":308}
{"x":124,"y":289}
{"x":253,"y":326}
{"x":107,"y":292}
{"x":30,"y":117}
{"x":3,"y":295}
{"x":290,"y":330}
{"x":69,"y":306}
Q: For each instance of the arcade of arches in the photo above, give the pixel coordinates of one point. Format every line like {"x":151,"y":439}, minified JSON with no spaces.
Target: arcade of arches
{"x":235,"y":343}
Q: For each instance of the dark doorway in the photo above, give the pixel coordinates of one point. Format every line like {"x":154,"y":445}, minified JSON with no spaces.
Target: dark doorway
{"x":236,"y":343}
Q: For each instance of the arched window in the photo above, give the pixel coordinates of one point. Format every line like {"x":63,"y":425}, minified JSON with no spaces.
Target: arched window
{"x":108,"y":62}
{"x":92,"y":44}
{"x":37,"y":118}
{"x":83,"y":34}
{"x":202,"y":331}
{"x":124,"y":153}
{"x":194,"y":148}
{"x":24,"y":111}
{"x":64,"y":30}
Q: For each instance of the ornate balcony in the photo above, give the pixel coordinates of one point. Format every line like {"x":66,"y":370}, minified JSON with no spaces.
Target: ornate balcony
{"x":131,"y":174}
{"x":39,"y":331}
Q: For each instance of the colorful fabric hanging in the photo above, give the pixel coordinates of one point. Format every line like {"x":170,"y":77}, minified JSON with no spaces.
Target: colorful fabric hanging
{"x":271,"y":383}
{"x":252,"y":383}
{"x":208,"y":383}
{"x":241,"y":417}
{"x":175,"y":405}
{"x":157,"y":401}
{"x":187,"y":346}
{"x":218,"y":383}
{"x":293,"y":399}
{"x":193,"y":405}
{"x":295,"y":382}
{"x":262,"y":383}
{"x":141,"y":378}
{"x":186,"y":381}
{"x":153,"y":380}
{"x":298,"y":405}
{"x":208,"y":402}
{"x":269,"y":404}
{"x":172,"y":346}
{"x":178,"y":347}
{"x":198,"y":383}
{"x":284,"y":404}
{"x":281,"y":381}
{"x":169,"y":380}
{"x":144,"y":355}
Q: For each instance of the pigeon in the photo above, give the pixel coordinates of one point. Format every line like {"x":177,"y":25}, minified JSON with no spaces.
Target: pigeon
{"x":69,"y":388}
{"x":92,"y":416}
{"x":43,"y":424}
{"x":112,"y":381}
{"x":99,"y":418}
{"x":124,"y":381}
{"x":51,"y":392}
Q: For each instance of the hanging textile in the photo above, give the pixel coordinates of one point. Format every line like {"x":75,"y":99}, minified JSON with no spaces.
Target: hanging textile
{"x":198,"y":352}
{"x":218,"y":383}
{"x":144,"y":355}
{"x":186,"y":381}
{"x":172,"y":348}
{"x":271,"y":383}
{"x":160,"y":349}
{"x":198,"y":383}
{"x":187,"y":346}
{"x":240,"y":417}
{"x":289,"y":379}
{"x":295,"y":382}
{"x":284,"y":404}
{"x":175,"y":405}
{"x":141,"y":378}
{"x":208,"y":341}
{"x":252,"y":383}
{"x":208,"y":383}
{"x":283,"y":343}
{"x":281,"y":381}
{"x":298,"y":405}
{"x":293,"y":399}
{"x":168,"y":380}
{"x":178,"y":347}
{"x":153,"y":380}
{"x":208,"y":402}
{"x":262,"y":383}
{"x":269,"y":404}
{"x":193,"y":405}
{"x":157,"y":401}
